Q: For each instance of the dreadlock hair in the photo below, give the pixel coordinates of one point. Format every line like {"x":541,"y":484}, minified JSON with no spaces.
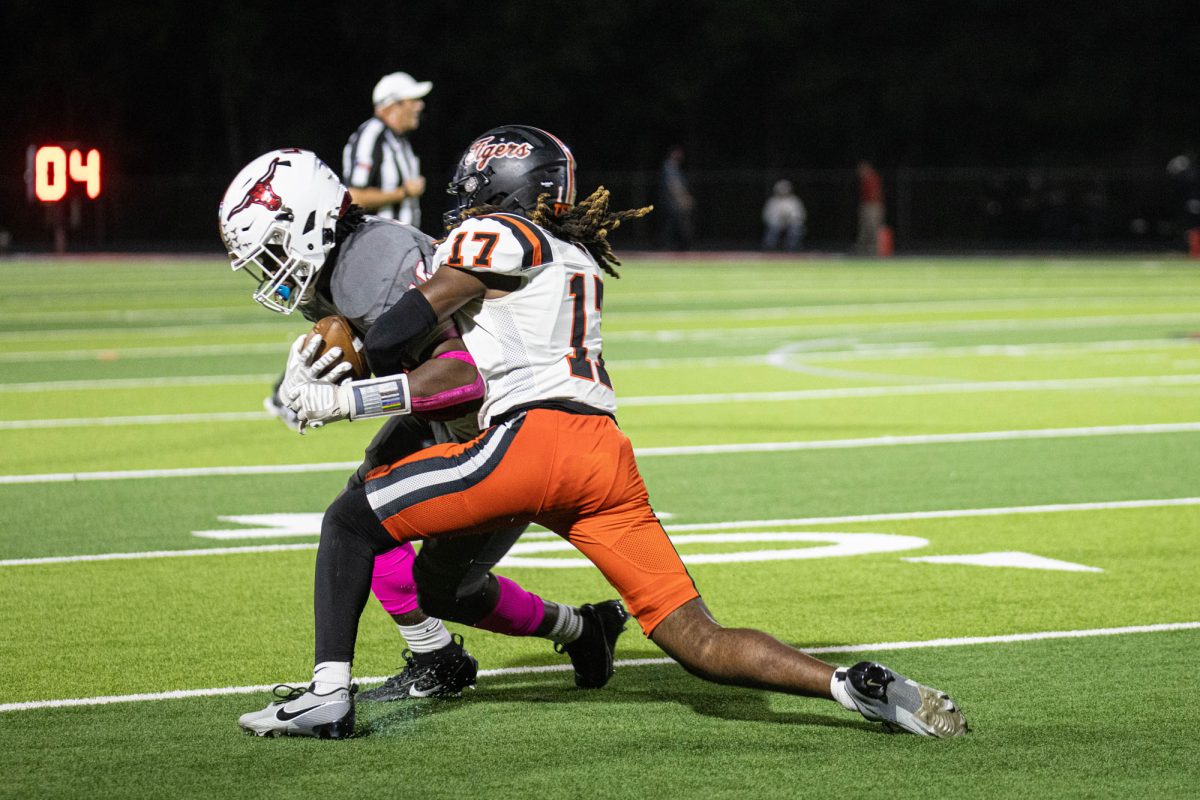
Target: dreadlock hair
{"x":587,"y":223}
{"x":348,"y":223}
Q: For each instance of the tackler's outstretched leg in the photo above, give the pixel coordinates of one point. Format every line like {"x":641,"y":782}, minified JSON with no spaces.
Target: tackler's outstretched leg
{"x":751,"y":658}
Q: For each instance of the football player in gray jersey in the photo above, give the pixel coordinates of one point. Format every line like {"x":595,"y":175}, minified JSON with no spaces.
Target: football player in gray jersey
{"x":287,"y":221}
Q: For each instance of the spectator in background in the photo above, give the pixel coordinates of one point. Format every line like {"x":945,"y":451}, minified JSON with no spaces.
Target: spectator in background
{"x":1185,"y":180}
{"x":676,"y":203}
{"x":995,"y":203}
{"x":870,"y":208}
{"x":783,"y":216}
{"x":1095,"y":209}
{"x":1030,"y":206}
{"x":378,"y":163}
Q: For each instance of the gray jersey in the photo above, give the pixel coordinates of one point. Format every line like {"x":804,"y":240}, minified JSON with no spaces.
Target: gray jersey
{"x":377,"y":263}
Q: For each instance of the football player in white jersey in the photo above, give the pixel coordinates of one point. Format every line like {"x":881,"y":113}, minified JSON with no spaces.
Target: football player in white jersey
{"x":286,"y":219}
{"x":521,"y":275}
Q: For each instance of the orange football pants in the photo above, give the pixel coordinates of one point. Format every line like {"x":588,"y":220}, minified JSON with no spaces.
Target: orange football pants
{"x":573,"y":473}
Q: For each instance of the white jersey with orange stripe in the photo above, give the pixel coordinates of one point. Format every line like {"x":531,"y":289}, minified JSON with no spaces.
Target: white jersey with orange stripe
{"x":541,"y":341}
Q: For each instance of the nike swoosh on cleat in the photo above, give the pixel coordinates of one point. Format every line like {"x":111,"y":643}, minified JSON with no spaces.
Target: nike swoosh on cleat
{"x":413,"y":691}
{"x":283,"y":715}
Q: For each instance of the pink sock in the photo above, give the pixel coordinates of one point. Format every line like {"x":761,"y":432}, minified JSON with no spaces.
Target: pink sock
{"x":392,"y":581}
{"x":517,"y":613}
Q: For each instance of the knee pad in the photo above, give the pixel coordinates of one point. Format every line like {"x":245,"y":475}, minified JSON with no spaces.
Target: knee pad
{"x":350,"y":515}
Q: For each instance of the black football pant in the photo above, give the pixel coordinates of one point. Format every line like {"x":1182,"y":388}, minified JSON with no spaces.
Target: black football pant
{"x":453,"y":575}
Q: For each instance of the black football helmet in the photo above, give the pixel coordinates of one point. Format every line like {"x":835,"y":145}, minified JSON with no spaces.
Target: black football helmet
{"x":510,"y":167}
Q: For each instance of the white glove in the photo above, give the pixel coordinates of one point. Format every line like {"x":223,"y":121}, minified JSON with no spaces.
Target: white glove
{"x":319,"y":402}
{"x":301,"y":368}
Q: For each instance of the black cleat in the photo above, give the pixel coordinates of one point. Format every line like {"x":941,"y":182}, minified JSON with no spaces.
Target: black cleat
{"x":592,"y":653}
{"x":443,"y":673}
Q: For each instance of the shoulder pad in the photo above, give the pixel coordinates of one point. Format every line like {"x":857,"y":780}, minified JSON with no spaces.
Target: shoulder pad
{"x":496,"y":243}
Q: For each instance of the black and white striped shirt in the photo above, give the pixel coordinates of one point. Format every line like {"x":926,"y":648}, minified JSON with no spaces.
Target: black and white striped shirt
{"x":376,"y":157}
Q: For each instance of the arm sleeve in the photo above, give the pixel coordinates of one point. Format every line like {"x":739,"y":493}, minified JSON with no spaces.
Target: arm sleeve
{"x":388,"y":340}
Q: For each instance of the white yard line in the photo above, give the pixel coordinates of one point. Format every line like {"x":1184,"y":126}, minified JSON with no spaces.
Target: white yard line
{"x":148,"y":419}
{"x":954,"y":388}
{"x":698,"y":526}
{"x":798,"y":309}
{"x":855,"y":350}
{"x":200,"y":329}
{"x":932,"y":438}
{"x":213,"y":551}
{"x":868,"y":351}
{"x":222,"y":316}
{"x":1053,"y":508}
{"x":964,"y":641}
{"x":954,"y":304}
{"x":128,"y":353}
{"x":198,"y":315}
{"x":760,"y":333}
{"x":139,"y":383}
{"x":184,"y":472}
{"x":979,"y":387}
{"x":641,"y":452}
{"x":694,"y":334}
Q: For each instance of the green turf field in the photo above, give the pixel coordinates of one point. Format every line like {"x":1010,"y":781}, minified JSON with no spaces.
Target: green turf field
{"x":983,"y":473}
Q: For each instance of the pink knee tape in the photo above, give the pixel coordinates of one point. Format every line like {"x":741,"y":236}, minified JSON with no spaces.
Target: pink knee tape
{"x":517,"y":613}
{"x":392,"y":581}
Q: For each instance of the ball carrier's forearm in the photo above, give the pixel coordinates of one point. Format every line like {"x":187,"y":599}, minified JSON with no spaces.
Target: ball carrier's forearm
{"x":447,"y":380}
{"x":430,"y":387}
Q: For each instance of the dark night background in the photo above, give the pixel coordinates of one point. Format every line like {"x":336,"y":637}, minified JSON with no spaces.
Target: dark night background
{"x":952,"y":97}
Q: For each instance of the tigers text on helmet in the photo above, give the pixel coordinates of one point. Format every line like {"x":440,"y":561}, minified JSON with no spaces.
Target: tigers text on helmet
{"x":277,"y":221}
{"x":510,"y":167}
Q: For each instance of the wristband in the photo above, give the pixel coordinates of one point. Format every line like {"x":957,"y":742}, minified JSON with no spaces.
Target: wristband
{"x":379,"y":397}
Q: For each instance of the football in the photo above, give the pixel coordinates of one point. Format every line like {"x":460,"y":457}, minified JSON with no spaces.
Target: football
{"x":335,"y":331}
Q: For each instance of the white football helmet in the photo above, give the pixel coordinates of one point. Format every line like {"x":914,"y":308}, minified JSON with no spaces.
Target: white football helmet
{"x":277,"y":221}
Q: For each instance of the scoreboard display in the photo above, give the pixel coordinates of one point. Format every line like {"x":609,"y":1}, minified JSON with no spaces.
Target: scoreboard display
{"x":57,"y":171}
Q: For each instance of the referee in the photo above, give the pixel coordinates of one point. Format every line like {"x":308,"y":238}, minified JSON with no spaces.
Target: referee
{"x":378,"y":163}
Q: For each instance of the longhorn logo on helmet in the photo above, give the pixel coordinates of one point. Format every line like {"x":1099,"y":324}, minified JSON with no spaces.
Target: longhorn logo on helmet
{"x":261,"y":192}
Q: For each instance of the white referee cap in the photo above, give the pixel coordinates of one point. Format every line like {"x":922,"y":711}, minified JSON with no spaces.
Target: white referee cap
{"x":398,"y":86}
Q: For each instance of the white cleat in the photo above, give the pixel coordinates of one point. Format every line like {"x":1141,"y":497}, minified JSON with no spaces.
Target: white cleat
{"x":900,"y":703}
{"x":300,"y":711}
